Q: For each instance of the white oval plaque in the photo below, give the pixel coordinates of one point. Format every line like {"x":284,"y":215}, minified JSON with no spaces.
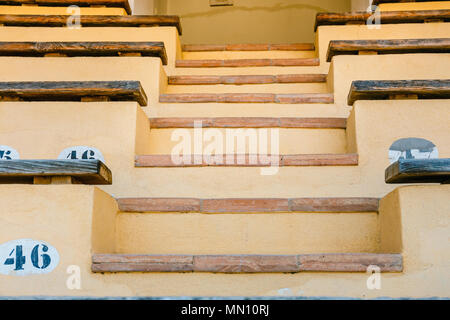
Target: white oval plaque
{"x":8,"y":153}
{"x":81,"y":153}
{"x":26,"y":256}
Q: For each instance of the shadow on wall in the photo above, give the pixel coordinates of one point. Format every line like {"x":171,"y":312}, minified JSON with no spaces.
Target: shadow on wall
{"x":247,"y":21}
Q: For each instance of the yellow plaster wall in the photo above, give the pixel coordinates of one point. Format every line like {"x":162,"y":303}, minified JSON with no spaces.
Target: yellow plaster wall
{"x":427,"y":5}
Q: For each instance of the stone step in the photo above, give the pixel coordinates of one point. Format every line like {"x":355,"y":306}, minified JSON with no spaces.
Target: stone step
{"x":213,"y":63}
{"x":347,"y":262}
{"x":248,"y":47}
{"x":230,"y":55}
{"x":246,"y":160}
{"x":262,"y":70}
{"x":247,"y":98}
{"x":276,"y":88}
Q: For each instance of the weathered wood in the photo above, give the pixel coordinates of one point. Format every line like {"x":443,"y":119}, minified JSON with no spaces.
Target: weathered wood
{"x":419,"y":171}
{"x":91,"y":21}
{"x":384,"y":89}
{"x":82,"y":49}
{"x":341,"y":262}
{"x":74,"y":90}
{"x":400,"y":46}
{"x":24,"y":171}
{"x":65,"y":3}
{"x":386,"y":17}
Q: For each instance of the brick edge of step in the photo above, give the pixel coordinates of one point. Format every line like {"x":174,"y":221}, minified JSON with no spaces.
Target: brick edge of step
{"x":233,"y":160}
{"x":301,"y":98}
{"x":338,"y":262}
{"x":216,"y":63}
{"x":249,"y":205}
{"x":249,"y":47}
{"x":247,"y":79}
{"x":249,"y":122}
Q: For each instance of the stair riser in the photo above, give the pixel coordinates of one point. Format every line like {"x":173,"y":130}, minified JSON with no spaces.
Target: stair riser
{"x":248,"y":55}
{"x":280,"y":233}
{"x":251,"y":88}
{"x":291,"y":141}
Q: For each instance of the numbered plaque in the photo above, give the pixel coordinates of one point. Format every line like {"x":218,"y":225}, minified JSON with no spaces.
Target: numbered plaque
{"x":8,"y":153}
{"x":26,"y":256}
{"x":81,"y":153}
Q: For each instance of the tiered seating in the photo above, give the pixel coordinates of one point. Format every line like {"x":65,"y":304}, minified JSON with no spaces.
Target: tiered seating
{"x":419,"y":171}
{"x":394,"y":89}
{"x":54,"y":172}
{"x":354,"y":47}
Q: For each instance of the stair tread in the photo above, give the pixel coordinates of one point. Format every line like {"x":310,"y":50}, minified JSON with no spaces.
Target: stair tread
{"x":234,"y":160}
{"x":214,"y":63}
{"x":65,"y":3}
{"x":247,"y":98}
{"x":248,"y":47}
{"x":247,"y":79}
{"x":339,"y":205}
{"x":326,"y":262}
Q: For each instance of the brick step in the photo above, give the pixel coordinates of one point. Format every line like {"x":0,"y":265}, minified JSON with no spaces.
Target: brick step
{"x":234,"y":160}
{"x":263,"y":70}
{"x":201,"y":110}
{"x":314,"y":140}
{"x":232,"y":55}
{"x":275,"y":88}
{"x":248,"y":122}
{"x":249,"y":47}
{"x":247,"y":79}
{"x":347,"y":262}
{"x":248,"y":205}
{"x":247,"y":98}
{"x":247,"y":63}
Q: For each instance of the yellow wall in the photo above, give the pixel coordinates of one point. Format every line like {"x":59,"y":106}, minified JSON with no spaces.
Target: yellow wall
{"x":44,"y":10}
{"x":251,"y":21}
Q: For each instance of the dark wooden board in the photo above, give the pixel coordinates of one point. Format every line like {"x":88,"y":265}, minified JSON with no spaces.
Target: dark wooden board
{"x":384,"y":89}
{"x":91,"y":21}
{"x":65,"y":3}
{"x":81,"y":49}
{"x":398,"y":46}
{"x":386,"y":17}
{"x":85,"y":171}
{"x":419,"y":171}
{"x":74,"y":90}
{"x":340,"y":262}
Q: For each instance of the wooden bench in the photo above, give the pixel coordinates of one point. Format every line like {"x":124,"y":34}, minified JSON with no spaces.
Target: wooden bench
{"x":73,"y":91}
{"x":91,"y":21}
{"x":54,"y":172}
{"x":398,"y":89}
{"x":339,"y":262}
{"x":65,"y":3}
{"x":386,"y":17}
{"x":83,"y":49}
{"x":401,"y":46}
{"x":419,"y":171}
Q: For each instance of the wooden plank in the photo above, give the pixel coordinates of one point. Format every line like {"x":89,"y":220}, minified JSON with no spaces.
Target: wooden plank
{"x":398,"y":46}
{"x":65,"y":3}
{"x":350,"y":262}
{"x":85,"y":171}
{"x":73,"y":91}
{"x":249,"y":122}
{"x":81,"y":49}
{"x":226,"y":263}
{"x":91,"y":21}
{"x":419,"y":171}
{"x":385,"y":89}
{"x":386,"y":17}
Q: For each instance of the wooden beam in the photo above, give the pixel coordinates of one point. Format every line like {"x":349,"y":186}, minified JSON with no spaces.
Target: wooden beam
{"x":65,"y":3}
{"x":340,"y":262}
{"x":385,"y":89}
{"x":83,"y":49}
{"x":25,"y":171}
{"x":398,"y":46}
{"x":74,"y":91}
{"x":419,"y":171}
{"x":91,"y":21}
{"x":386,"y":17}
